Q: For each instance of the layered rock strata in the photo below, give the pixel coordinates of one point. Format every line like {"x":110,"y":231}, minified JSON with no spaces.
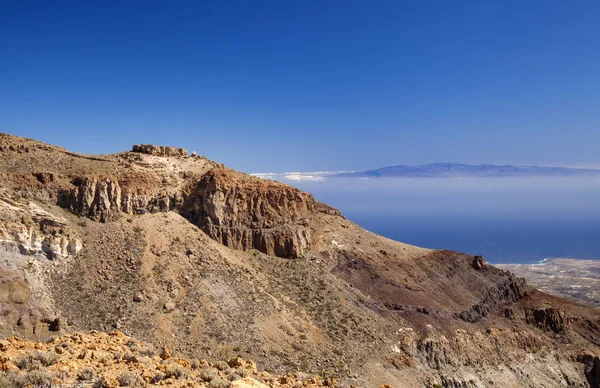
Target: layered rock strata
{"x":35,"y":231}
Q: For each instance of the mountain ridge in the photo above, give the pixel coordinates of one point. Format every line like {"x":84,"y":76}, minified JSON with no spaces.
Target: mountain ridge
{"x":440,"y":170}
{"x":180,"y":251}
{"x":444,"y":169}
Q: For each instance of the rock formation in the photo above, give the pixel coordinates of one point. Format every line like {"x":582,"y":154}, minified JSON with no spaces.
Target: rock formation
{"x":244,"y":212}
{"x":34,"y":230}
{"x":241,"y":212}
{"x":549,"y":319}
{"x":151,"y":149}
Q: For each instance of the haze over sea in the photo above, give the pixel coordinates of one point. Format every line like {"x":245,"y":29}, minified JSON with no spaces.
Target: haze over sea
{"x":507,"y":220}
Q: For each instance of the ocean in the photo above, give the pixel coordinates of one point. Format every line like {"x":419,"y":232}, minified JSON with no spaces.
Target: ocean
{"x":507,"y":220}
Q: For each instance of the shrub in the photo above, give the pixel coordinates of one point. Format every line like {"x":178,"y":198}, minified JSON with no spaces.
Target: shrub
{"x":35,"y":378}
{"x":36,"y":360}
{"x":40,"y":377}
{"x":158,"y":377}
{"x":86,"y":373}
{"x":223,"y":352}
{"x":147,"y":352}
{"x":12,"y":380}
{"x":208,"y":374}
{"x":221,"y":365}
{"x":129,"y":379}
{"x":100,"y":383}
{"x":177,"y":371}
{"x":219,"y":382}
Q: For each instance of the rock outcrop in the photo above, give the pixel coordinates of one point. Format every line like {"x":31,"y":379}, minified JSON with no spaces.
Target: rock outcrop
{"x":249,"y":213}
{"x":591,"y":363}
{"x":156,"y":150}
{"x":35,"y":231}
{"x":104,"y":199}
{"x":510,"y":289}
{"x":549,"y":318}
{"x":242,"y":213}
{"x":479,"y":263}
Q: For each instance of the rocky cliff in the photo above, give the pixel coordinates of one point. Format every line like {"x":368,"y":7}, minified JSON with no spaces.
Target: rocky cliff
{"x":151,"y":149}
{"x":244,"y":212}
{"x":240,"y":212}
{"x":107,"y":199}
{"x":34,"y":230}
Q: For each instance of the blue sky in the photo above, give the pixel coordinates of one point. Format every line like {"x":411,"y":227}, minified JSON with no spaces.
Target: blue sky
{"x":306,"y":85}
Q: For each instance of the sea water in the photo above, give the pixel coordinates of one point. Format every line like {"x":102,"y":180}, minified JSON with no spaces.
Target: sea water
{"x":507,"y":220}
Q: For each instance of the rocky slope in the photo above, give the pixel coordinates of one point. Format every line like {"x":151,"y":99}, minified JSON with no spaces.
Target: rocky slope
{"x":116,"y":360}
{"x":182,"y":252}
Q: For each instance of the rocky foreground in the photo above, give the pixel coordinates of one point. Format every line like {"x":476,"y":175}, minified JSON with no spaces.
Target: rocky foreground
{"x":183,"y":253}
{"x":105,"y":360}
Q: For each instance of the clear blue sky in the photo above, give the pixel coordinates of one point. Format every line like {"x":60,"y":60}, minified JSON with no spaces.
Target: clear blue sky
{"x":308,"y":85}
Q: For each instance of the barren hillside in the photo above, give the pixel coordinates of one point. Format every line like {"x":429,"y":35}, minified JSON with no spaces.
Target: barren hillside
{"x":179,"y":251}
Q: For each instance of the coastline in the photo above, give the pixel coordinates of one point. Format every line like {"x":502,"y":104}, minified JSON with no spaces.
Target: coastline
{"x":574,"y":279}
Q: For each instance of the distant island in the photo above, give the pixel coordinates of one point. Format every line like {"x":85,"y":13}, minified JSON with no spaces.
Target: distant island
{"x":440,"y":170}
{"x":466,"y":170}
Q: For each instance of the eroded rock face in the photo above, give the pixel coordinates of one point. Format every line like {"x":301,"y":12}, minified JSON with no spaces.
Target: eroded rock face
{"x":548,"y":319}
{"x":35,"y":231}
{"x":241,"y":212}
{"x":510,"y":289}
{"x":104,"y":199}
{"x":98,"y":199}
{"x":151,"y":149}
{"x":249,"y":213}
{"x":591,"y":364}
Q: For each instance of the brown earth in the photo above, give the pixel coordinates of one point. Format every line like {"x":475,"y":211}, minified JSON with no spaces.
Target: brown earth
{"x":113,"y":359}
{"x":179,"y":251}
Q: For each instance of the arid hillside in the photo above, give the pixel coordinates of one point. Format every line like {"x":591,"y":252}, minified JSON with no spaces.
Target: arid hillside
{"x":103,"y":360}
{"x":181,"y":252}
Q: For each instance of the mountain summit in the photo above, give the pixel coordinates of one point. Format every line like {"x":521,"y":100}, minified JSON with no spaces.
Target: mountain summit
{"x":181,"y":252}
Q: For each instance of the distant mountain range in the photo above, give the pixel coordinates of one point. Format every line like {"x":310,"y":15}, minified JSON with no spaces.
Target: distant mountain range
{"x":466,"y":170}
{"x":438,"y":170}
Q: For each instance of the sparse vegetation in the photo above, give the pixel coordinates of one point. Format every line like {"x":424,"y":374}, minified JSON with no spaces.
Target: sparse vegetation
{"x":209,"y":373}
{"x":131,"y":379}
{"x":39,"y":378}
{"x":219,"y":382}
{"x":100,"y":383}
{"x":86,"y":373}
{"x":224,"y":352}
{"x":36,"y":360}
{"x":177,"y":371}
